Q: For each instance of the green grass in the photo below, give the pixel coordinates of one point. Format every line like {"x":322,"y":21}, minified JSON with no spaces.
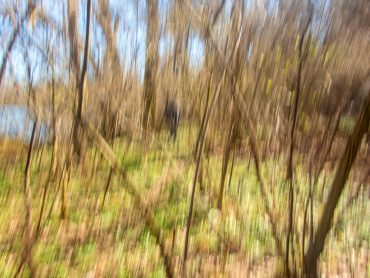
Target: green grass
{"x":116,"y":239}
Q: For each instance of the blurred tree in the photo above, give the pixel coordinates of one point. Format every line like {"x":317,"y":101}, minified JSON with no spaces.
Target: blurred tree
{"x":151,"y":64}
{"x":111,"y":73}
{"x":338,"y":184}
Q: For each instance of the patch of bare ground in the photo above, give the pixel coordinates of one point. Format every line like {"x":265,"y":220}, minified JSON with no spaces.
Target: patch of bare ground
{"x":234,"y":265}
{"x":352,"y":263}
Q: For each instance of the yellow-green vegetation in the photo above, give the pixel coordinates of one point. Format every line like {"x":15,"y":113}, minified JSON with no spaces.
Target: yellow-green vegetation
{"x":178,"y":138}
{"x":114,"y":241}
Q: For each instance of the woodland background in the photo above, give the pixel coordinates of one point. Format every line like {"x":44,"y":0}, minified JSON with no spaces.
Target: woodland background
{"x":269,"y":175}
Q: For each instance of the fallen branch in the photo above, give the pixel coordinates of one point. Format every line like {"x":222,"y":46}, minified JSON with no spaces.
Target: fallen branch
{"x":111,"y":158}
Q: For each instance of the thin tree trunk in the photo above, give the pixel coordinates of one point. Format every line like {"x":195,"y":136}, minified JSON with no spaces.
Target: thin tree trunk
{"x":247,"y":124}
{"x":53,"y":156}
{"x":151,"y":64}
{"x":291,"y":149}
{"x":78,"y":131}
{"x":111,"y":64}
{"x":64,"y":185}
{"x":338,"y":184}
{"x":44,"y":194}
{"x":28,"y":239}
{"x":232,"y":166}
{"x":199,"y":154}
{"x":203,"y":121}
{"x":229,"y":141}
{"x":107,"y":187}
{"x":42,"y":150}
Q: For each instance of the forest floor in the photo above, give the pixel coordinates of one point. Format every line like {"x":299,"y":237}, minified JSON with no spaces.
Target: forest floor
{"x":113,"y":241}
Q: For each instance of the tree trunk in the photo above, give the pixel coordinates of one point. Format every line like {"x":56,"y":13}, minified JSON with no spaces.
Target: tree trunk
{"x":78,"y":131}
{"x":290,"y":178}
{"x":151,"y":63}
{"x":111,"y":73}
{"x":28,"y":238}
{"x":341,"y":176}
{"x":74,"y":60}
{"x":197,"y":170}
{"x":229,"y":142}
{"x":78,"y":136}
